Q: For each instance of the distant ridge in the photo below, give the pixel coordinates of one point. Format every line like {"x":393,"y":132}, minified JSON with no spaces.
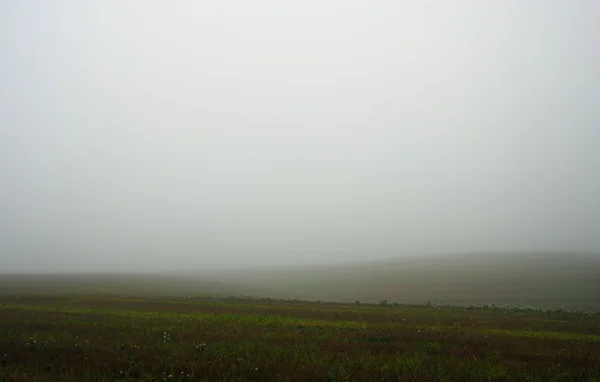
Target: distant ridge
{"x":550,"y":279}
{"x":536,"y":279}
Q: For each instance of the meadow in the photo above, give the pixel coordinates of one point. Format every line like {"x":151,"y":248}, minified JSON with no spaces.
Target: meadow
{"x":56,"y":336}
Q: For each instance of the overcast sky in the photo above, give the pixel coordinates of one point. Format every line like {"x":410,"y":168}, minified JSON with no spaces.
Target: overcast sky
{"x":145,"y":135}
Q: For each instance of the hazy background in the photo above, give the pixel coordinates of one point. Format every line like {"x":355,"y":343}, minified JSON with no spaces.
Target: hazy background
{"x":149,"y":135}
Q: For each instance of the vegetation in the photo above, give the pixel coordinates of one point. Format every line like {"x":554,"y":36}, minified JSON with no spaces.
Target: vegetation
{"x":548,"y":280}
{"x":108,"y":338}
{"x":544,"y":280}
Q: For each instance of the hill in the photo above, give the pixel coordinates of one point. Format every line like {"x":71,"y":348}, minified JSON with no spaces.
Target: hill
{"x":552,"y":280}
{"x":540,"y":280}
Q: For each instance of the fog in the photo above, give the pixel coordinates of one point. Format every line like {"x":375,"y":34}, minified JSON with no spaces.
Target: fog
{"x":151,"y":135}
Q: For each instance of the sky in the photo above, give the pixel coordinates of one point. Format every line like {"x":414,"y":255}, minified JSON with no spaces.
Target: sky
{"x":152,"y":135}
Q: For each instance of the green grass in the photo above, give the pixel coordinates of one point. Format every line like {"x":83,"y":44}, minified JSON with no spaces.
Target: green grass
{"x":108,"y":338}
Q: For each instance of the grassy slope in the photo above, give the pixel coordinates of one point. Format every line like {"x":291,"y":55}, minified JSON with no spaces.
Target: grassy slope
{"x":540,"y":280}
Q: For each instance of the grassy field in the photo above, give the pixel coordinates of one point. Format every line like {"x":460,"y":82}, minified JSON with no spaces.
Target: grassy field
{"x":548,"y":280}
{"x":80,"y":337}
{"x":545,"y":280}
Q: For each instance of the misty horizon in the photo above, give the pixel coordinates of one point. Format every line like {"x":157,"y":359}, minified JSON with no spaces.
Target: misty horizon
{"x":154,"y":136}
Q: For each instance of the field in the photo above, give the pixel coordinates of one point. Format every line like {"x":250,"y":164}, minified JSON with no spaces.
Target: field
{"x":81,"y":337}
{"x":545,"y":280}
{"x":541,"y":280}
